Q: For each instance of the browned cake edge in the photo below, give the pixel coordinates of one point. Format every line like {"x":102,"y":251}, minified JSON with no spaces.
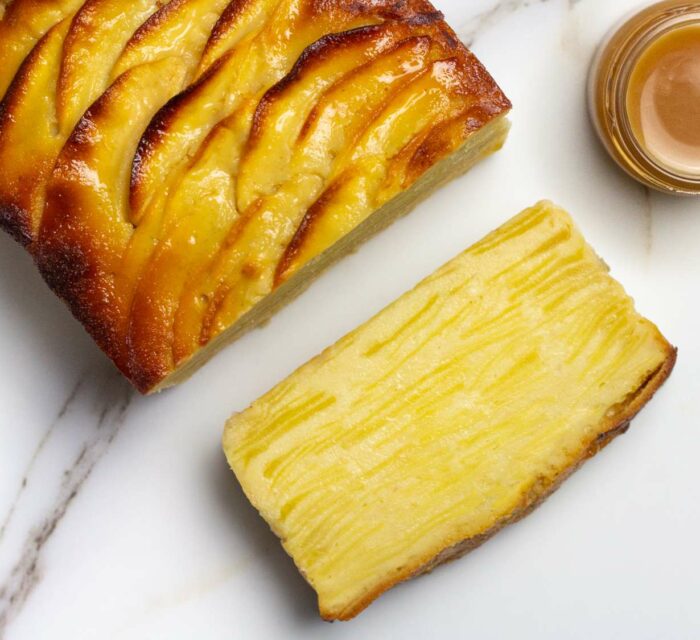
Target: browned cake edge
{"x":613,"y":426}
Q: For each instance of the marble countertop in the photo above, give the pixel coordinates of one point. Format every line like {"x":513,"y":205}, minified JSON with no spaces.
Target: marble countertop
{"x":120,"y":519}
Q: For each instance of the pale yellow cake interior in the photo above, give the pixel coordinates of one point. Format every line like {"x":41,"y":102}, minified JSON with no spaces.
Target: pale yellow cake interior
{"x":432,"y":423}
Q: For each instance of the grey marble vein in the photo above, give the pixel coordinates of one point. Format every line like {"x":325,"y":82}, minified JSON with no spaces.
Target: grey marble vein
{"x":111,"y":411}
{"x":471,"y":29}
{"x":37,"y":452}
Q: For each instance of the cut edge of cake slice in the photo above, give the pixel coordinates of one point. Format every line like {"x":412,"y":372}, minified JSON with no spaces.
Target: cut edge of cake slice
{"x":256,"y":441}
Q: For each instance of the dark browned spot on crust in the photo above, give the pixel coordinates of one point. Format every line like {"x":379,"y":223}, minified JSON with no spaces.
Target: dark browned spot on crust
{"x":250,"y":270}
{"x":450,"y":39}
{"x":16,"y":222}
{"x":3,"y":111}
{"x":446,"y":137}
{"x":64,"y":267}
{"x":153,"y":23}
{"x":421,"y":19}
{"x":315,"y":212}
{"x":215,"y":303}
{"x":86,"y":132}
{"x":68,"y":269}
{"x":604,"y":439}
{"x":145,"y":370}
{"x":388,"y":9}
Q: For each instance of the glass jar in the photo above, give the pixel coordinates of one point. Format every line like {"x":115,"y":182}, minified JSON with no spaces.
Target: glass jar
{"x":613,"y":70}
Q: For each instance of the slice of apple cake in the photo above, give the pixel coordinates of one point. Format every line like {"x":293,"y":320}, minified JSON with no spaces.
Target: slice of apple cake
{"x":181,"y":169}
{"x":452,"y":413}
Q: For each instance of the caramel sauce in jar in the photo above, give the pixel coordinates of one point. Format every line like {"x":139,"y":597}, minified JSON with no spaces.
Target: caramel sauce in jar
{"x":644,"y":96}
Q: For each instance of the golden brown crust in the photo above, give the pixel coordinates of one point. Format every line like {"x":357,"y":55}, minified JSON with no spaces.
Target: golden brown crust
{"x":312,"y":215}
{"x":16,"y":197}
{"x":81,"y":248}
{"x":15,"y":222}
{"x":615,"y":425}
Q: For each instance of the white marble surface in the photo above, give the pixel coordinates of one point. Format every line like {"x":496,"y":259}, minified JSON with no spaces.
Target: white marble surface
{"x":119,"y":518}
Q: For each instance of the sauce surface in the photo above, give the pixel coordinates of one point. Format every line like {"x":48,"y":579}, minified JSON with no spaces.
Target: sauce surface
{"x":663,"y":100}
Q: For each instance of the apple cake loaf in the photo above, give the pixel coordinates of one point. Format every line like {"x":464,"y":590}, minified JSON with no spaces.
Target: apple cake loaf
{"x":180,"y":169}
{"x":452,"y":413}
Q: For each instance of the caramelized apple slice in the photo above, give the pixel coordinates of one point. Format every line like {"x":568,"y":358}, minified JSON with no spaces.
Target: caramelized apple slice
{"x":98,"y":34}
{"x":181,"y":28}
{"x":27,"y":155}
{"x":200,"y":213}
{"x":240,"y":20}
{"x":352,"y":100}
{"x":65,"y":76}
{"x":260,"y":246}
{"x":22,"y":24}
{"x":259,"y":61}
{"x":102,"y":42}
{"x":280,"y":116}
{"x":431,"y":124}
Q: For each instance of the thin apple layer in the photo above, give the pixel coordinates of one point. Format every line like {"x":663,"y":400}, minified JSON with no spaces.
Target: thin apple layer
{"x":451,"y":413}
